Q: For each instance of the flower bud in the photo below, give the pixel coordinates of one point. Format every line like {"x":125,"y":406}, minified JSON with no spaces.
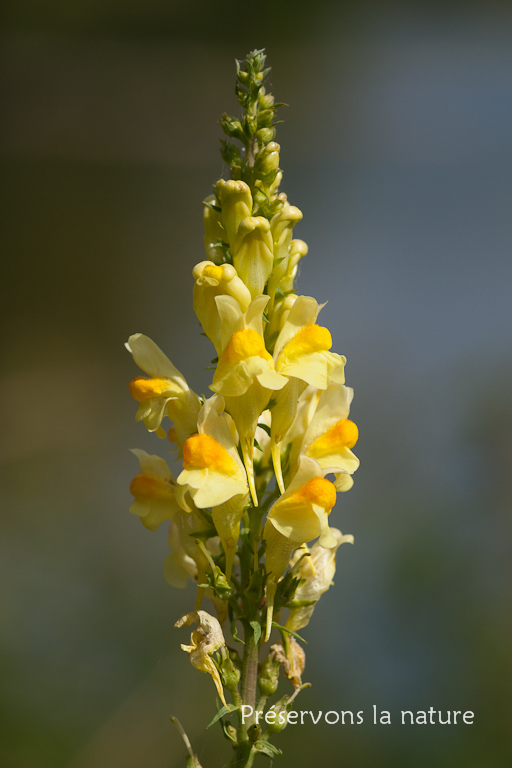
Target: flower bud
{"x":281,"y":720}
{"x":213,"y":231}
{"x":266,"y":99}
{"x":264,"y":135}
{"x":230,"y":674}
{"x":298,"y":249}
{"x":268,"y":679}
{"x":265,"y":118}
{"x":212,"y":281}
{"x":252,"y":253}
{"x":232,"y":127}
{"x":236,"y":202}
{"x":267,"y":160}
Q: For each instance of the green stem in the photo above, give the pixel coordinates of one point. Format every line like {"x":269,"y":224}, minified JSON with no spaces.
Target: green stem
{"x":249,"y":670}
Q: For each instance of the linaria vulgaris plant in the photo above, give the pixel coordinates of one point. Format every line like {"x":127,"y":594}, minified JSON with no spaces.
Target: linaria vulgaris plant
{"x":254,"y":491}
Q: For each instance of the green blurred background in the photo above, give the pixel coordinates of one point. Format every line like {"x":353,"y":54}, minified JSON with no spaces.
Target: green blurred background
{"x":397,"y":147}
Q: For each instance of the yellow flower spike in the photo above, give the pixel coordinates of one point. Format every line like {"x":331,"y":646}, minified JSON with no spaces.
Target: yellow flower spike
{"x":212,"y":470}
{"x":253,"y":253}
{"x":236,"y":202}
{"x":213,"y":231}
{"x":317,"y":572}
{"x":302,"y":347}
{"x":330,"y":435}
{"x":154,"y":491}
{"x":179,"y":567}
{"x":166,"y":391}
{"x":212,"y":281}
{"x":206,"y":640}
{"x":298,"y":516}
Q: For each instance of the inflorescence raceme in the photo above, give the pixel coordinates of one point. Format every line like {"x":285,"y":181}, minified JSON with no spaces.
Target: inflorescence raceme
{"x":253,"y":492}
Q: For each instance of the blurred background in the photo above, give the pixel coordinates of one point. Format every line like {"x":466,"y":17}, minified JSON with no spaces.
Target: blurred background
{"x":397,"y":146}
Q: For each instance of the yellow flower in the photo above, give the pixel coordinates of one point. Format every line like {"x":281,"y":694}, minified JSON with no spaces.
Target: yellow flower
{"x":281,"y":228}
{"x":302,"y":347}
{"x":298,"y":249}
{"x":331,"y":434}
{"x":245,"y":374}
{"x":154,"y":491}
{"x":317,"y":572}
{"x":165,"y":392}
{"x":212,"y":281}
{"x":206,"y":640}
{"x":236,"y":202}
{"x":253,"y":253}
{"x":302,"y":354}
{"x":298,"y":516}
{"x":214,"y":476}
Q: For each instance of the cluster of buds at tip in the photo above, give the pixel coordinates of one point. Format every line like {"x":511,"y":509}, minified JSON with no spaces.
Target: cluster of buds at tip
{"x":266,"y":455}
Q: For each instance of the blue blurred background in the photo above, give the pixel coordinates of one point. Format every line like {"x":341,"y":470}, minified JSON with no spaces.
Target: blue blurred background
{"x":397,"y":146}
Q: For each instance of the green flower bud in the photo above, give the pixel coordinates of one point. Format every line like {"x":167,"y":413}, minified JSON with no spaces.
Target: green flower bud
{"x":232,"y":127}
{"x":266,"y":100}
{"x":268,"y":679}
{"x":280,"y":721}
{"x":229,"y":673}
{"x":265,"y":118}
{"x":221,"y":585}
{"x":264,"y":135}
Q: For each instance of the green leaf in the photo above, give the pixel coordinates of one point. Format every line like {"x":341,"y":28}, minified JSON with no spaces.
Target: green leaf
{"x":213,"y":207}
{"x":257,"y":631}
{"x":257,"y":445}
{"x":223,"y":711}
{"x":266,"y":748}
{"x":235,"y":633}
{"x":264,"y":427}
{"x":301,"y":603}
{"x":285,"y":629}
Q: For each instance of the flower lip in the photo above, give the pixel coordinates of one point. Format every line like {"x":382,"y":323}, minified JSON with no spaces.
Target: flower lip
{"x":147,"y":487}
{"x":317,"y":491}
{"x":202,"y":451}
{"x":311,"y":338}
{"x":244,"y":344}
{"x":343,"y":434}
{"x":142,"y":388}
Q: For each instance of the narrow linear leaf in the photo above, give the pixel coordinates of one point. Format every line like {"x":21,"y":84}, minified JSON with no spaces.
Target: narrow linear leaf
{"x":223,"y":711}
{"x":290,"y":632}
{"x":266,"y":748}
